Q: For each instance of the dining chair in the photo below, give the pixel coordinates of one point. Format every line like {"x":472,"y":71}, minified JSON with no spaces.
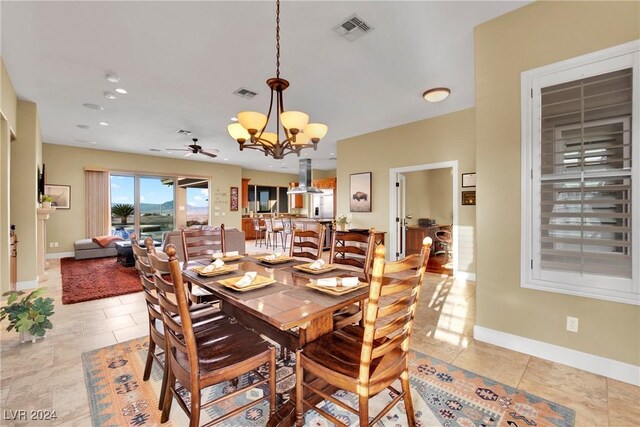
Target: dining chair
{"x":355,"y":250}
{"x":307,"y":243}
{"x":198,"y":359}
{"x":260,"y":231}
{"x":367,"y":360}
{"x":287,"y":230}
{"x":272,"y":233}
{"x":201,"y":244}
{"x":201,"y":314}
{"x":444,"y":240}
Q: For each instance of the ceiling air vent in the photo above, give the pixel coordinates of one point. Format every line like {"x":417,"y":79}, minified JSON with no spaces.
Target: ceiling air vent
{"x":183,"y":132}
{"x":245,"y":93}
{"x":353,"y":28}
{"x":155,"y":150}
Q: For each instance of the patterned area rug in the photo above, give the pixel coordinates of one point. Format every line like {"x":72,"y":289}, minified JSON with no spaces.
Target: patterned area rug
{"x":89,"y":279}
{"x":443,"y":395}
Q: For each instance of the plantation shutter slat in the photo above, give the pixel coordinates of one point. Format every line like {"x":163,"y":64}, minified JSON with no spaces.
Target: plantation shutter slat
{"x":585,"y":176}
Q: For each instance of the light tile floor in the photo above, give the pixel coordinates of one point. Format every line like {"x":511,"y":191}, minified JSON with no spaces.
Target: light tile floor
{"x":48,"y":375}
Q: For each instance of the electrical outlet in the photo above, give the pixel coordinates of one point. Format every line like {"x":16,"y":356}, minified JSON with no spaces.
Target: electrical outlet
{"x":55,"y":244}
{"x":572,"y":324}
{"x":50,"y":244}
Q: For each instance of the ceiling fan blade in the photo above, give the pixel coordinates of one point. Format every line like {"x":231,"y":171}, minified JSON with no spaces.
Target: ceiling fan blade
{"x":177,"y":149}
{"x":208,"y":154}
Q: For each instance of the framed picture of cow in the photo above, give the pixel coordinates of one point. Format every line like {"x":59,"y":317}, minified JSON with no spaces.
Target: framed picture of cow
{"x":360,"y":192}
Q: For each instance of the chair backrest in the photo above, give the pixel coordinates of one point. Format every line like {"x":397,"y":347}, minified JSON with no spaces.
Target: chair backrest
{"x":391,"y":307}
{"x":268,"y":222}
{"x":287,"y":225}
{"x":145,"y":270}
{"x":202,"y":243}
{"x":174,"y":306}
{"x":307,"y":244}
{"x":354,"y":249}
{"x":256,"y":224}
{"x":133,"y":238}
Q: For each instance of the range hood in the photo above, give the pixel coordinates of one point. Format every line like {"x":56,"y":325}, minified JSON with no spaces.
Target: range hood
{"x":304,"y":179}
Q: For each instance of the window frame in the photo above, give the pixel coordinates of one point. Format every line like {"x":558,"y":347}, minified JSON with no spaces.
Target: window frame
{"x":532,"y":81}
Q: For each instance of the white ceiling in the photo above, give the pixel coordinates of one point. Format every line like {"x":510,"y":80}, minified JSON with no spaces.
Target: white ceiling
{"x":182,"y":61}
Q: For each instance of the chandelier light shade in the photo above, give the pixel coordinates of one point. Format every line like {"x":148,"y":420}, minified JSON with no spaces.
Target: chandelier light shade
{"x":251,"y":129}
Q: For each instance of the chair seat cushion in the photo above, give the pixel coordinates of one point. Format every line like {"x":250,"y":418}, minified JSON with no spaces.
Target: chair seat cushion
{"x":340,"y":351}
{"x":224,"y":344}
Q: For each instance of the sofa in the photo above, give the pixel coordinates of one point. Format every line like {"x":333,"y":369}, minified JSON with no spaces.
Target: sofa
{"x":234,"y":240}
{"x":87,"y":248}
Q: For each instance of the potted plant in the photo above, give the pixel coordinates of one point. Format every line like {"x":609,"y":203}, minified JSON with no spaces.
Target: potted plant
{"x":122,"y":211}
{"x":28,"y":315}
{"x":342,"y":221}
{"x":46,"y":201}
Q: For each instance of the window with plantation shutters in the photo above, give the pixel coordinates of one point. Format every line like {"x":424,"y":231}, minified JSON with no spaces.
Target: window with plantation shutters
{"x":580,"y":155}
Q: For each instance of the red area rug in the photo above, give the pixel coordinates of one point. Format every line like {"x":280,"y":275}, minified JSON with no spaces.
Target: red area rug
{"x":89,"y":279}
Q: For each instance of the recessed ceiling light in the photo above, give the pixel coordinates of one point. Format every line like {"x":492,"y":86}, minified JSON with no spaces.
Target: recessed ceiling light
{"x":112,"y":77}
{"x":103,"y":124}
{"x":110,"y":95}
{"x":84,"y":126}
{"x":234,"y":119}
{"x":169,"y":152}
{"x":84,"y":141}
{"x":122,"y":91}
{"x":92,"y":142}
{"x":226,"y":160}
{"x":332,"y":154}
{"x":436,"y":94}
{"x":270,"y":166}
{"x":93,"y":106}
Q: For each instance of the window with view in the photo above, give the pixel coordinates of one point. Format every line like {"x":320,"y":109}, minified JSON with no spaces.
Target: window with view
{"x":580,"y":163}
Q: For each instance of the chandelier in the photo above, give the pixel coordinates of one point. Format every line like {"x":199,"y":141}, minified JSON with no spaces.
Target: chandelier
{"x":298,"y":133}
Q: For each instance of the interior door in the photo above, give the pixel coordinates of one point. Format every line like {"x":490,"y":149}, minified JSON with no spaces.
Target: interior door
{"x":401,"y":231}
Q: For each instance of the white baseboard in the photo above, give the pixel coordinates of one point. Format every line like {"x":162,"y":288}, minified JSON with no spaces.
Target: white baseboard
{"x":26,"y":284}
{"x":58,"y":255}
{"x":577,"y":359}
{"x":464,"y":275}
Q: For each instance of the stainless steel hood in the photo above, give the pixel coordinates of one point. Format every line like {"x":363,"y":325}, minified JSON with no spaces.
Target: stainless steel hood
{"x":304,"y":179}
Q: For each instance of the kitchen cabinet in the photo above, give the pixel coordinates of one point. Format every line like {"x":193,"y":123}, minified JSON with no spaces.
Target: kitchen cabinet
{"x":296,"y":202}
{"x":247,"y":227}
{"x":245,"y":192}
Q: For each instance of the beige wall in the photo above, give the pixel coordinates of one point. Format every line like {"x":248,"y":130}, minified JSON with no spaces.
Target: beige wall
{"x":273,"y":179}
{"x":8,"y":99}
{"x":535,"y":35}
{"x":429,"y":195}
{"x":321,"y":174}
{"x":445,"y":138}
{"x":24,"y":190}
{"x":65,"y":166}
{"x":8,"y":108}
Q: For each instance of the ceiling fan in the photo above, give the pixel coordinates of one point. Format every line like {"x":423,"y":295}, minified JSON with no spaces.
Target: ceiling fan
{"x":196,"y":149}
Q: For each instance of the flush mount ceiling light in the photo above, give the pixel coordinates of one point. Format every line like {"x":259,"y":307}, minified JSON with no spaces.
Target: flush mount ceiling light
{"x":110,"y":95}
{"x":121,"y":91}
{"x":103,"y":124}
{"x":436,"y":94}
{"x":112,"y":77}
{"x":250,"y":131}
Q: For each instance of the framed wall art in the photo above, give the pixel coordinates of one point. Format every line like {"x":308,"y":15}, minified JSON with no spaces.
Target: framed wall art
{"x":360,"y":192}
{"x":468,"y":180}
{"x":468,"y":197}
{"x":61,"y":195}
{"x":233,"y":199}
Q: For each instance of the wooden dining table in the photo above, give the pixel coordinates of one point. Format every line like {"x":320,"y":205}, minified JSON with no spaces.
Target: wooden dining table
{"x":287,"y":311}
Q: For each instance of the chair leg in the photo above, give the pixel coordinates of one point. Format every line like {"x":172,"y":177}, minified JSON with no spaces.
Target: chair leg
{"x":363,"y":410}
{"x":408,"y":403}
{"x":163,"y":390}
{"x":149,"y":362}
{"x":272,"y":381}
{"x":168,"y":396}
{"x":299,"y":389}
{"x":194,"y":421}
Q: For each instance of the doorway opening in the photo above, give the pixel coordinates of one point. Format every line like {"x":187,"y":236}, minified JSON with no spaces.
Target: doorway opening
{"x":424,"y":200}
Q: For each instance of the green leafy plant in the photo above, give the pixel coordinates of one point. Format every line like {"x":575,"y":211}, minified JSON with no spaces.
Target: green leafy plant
{"x":343,"y":220}
{"x":122,"y":210}
{"x":28,"y":314}
{"x":47,"y":198}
